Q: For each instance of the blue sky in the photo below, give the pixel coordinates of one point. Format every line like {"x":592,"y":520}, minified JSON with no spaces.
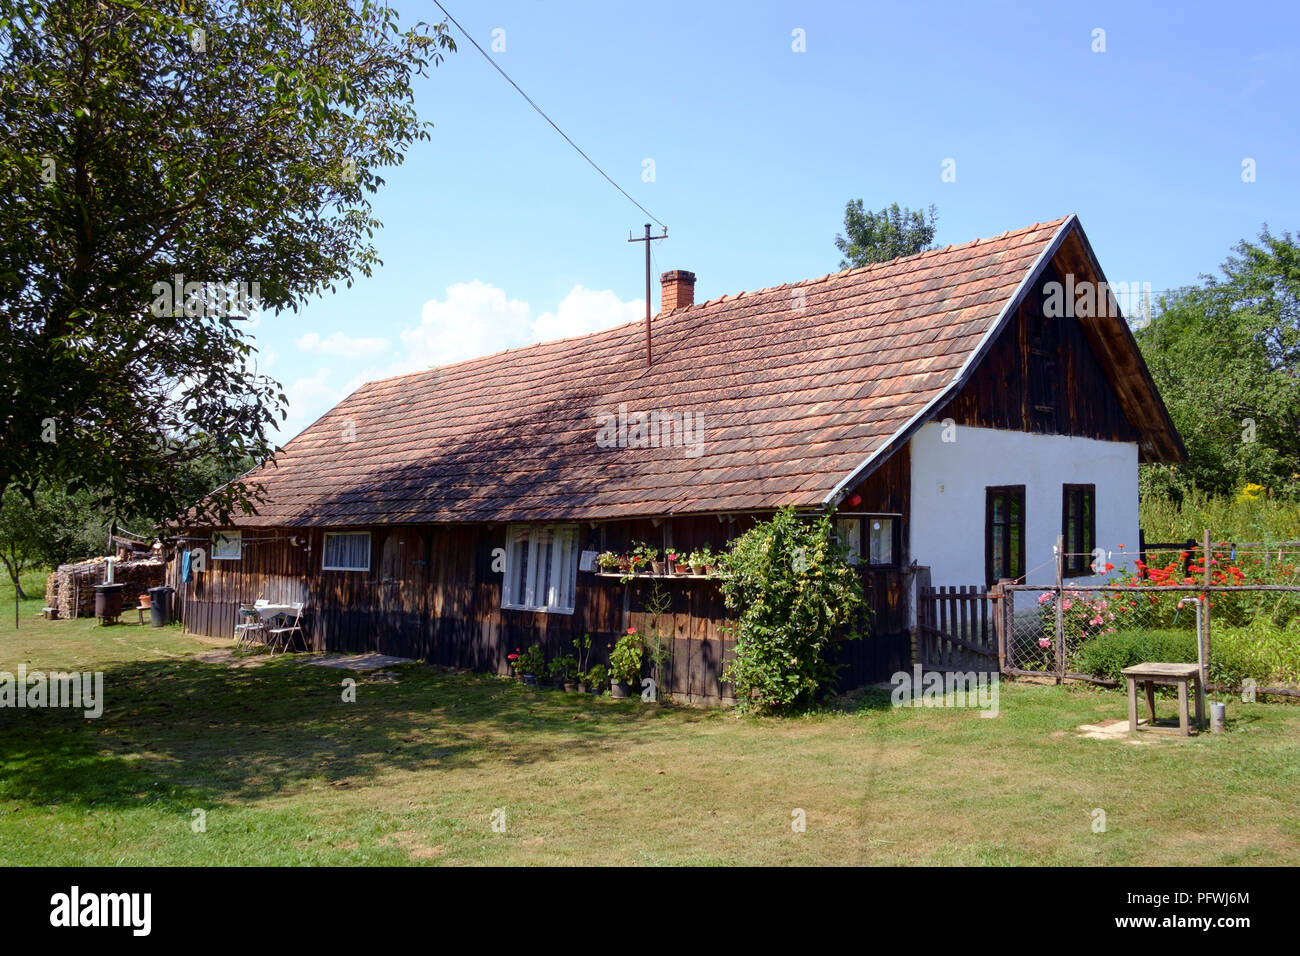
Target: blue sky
{"x":496,"y":233}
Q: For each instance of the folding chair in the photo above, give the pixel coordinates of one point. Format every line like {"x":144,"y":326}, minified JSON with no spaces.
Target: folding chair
{"x":283,"y":635}
{"x":251,"y":628}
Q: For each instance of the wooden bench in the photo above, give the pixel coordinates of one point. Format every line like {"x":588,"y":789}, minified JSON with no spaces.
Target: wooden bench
{"x":1151,"y":674}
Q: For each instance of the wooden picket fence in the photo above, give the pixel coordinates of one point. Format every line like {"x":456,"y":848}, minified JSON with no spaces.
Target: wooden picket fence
{"x":955,"y":629}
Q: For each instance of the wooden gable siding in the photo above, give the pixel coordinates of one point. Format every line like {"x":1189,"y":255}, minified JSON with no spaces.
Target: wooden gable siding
{"x":1041,"y":375}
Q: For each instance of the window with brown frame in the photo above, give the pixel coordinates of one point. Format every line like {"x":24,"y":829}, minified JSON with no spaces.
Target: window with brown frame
{"x":1004,"y":532}
{"x":1079,"y":526}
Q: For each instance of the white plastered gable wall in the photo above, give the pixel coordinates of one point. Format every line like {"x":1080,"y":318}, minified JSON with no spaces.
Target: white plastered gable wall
{"x":949,"y":479}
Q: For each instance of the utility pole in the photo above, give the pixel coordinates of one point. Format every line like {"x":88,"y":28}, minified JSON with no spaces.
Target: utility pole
{"x":647,"y":239}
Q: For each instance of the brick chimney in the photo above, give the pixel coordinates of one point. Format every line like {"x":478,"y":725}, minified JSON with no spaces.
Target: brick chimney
{"x":677,"y":290}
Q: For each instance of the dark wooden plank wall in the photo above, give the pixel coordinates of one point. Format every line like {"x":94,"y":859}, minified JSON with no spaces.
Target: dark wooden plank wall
{"x":1041,"y":375}
{"x":432,"y":594}
{"x":886,"y":648}
{"x":270,"y":568}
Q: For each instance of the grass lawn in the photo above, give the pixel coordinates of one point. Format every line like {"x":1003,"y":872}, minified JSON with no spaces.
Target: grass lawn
{"x":287,"y":773}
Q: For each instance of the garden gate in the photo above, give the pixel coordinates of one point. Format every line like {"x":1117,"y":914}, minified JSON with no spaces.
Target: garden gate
{"x":955,"y":629}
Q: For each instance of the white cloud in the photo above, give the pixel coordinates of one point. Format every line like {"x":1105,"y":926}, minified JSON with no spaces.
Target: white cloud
{"x":336,"y":343}
{"x":585,"y":310}
{"x":478,"y":319}
{"x":311,"y":397}
{"x":475,"y":318}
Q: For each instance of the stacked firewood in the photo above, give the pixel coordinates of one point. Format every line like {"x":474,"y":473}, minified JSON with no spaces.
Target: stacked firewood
{"x":71,"y":587}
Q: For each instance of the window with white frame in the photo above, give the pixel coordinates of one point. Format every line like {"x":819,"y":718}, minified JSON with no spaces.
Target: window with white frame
{"x":346,"y":551}
{"x":849,"y":533}
{"x":541,"y":568}
{"x":880,"y":541}
{"x":226,"y":546}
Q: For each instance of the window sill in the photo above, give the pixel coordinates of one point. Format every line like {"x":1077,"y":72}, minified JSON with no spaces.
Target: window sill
{"x":639,"y":576}
{"x":537,"y":610}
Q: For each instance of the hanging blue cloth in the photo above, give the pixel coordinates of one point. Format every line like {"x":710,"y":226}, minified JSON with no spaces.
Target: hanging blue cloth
{"x":186,"y":574}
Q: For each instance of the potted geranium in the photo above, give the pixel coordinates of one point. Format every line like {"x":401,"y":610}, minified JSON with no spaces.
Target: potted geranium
{"x":676,"y":563}
{"x":701,"y":560}
{"x":625,"y":663}
{"x":609,"y":562}
{"x":530,"y":664}
{"x":646,"y":558}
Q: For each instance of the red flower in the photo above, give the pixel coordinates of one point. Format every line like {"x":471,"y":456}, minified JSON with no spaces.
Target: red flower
{"x":631,"y":630}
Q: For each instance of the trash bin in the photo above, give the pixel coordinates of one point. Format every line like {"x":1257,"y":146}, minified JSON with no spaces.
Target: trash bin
{"x":160,"y":606}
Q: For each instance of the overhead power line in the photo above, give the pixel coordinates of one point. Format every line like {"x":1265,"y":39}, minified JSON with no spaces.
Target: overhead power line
{"x":542,"y":114}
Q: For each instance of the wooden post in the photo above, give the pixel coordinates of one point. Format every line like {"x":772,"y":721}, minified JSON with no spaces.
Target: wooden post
{"x":1204,"y":636}
{"x":1060,"y":610}
{"x":1009,"y":621}
{"x":998,"y":596}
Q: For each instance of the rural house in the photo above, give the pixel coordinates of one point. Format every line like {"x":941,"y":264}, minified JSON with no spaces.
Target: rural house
{"x":956,"y":410}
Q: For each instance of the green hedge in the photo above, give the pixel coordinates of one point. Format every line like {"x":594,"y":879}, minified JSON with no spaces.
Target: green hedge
{"x":1269,"y":656}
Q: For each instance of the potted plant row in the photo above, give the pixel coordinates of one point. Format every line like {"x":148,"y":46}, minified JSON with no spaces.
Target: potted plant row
{"x":644,"y":559}
{"x":567,"y":671}
{"x":571,"y":672}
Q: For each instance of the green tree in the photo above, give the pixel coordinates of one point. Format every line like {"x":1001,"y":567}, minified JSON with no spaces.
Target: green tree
{"x":48,"y":526}
{"x":794,"y":591}
{"x":880,"y":236}
{"x":152,"y":157}
{"x":1226,"y":358}
{"x":21,"y":527}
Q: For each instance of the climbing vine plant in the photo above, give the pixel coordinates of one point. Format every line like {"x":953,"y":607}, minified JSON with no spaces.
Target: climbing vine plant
{"x":794,"y":594}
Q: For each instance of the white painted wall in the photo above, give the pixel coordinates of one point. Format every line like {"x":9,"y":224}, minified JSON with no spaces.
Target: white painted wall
{"x":948,"y":482}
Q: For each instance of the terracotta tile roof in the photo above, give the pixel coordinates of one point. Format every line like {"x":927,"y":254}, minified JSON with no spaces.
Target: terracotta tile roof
{"x":797,"y":386}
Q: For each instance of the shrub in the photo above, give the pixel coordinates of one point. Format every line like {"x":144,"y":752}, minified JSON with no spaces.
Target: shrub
{"x":1267,"y":656}
{"x":794,"y":591}
{"x":1106,"y":655}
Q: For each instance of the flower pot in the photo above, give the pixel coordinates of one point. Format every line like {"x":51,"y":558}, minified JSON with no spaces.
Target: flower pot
{"x":617,"y":690}
{"x":698,"y":569}
{"x":530,"y":680}
{"x":570,"y":686}
{"x":658,"y":567}
{"x":582,"y":688}
{"x":681,"y":567}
